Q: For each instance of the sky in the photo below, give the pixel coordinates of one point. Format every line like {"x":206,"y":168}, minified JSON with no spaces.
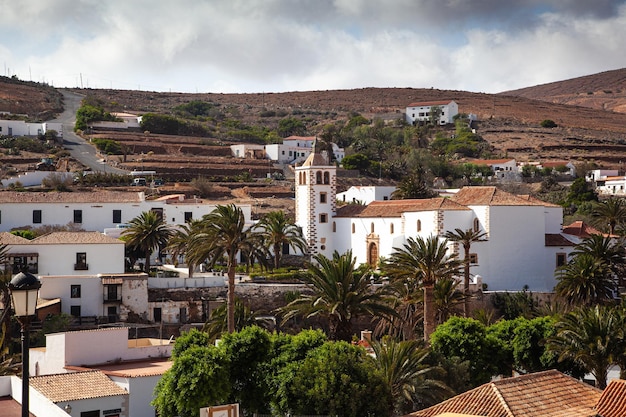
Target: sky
{"x":253,"y":46}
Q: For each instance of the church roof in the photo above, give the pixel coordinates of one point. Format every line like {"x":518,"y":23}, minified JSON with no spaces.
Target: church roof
{"x":492,"y":196}
{"x":395,"y":208}
{"x":315,"y":159}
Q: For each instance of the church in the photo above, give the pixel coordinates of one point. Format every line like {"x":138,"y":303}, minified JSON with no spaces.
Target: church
{"x":524,"y":242}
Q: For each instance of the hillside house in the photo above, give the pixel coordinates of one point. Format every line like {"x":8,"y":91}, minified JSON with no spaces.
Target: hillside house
{"x":365,"y":194}
{"x":294,"y":149}
{"x":22,"y":128}
{"x":97,"y":210}
{"x":127,"y":121}
{"x":372,"y":231}
{"x":419,"y":112}
{"x":134,"y":365}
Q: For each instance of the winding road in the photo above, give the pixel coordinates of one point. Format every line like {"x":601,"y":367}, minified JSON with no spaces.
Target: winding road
{"x":79,"y":148}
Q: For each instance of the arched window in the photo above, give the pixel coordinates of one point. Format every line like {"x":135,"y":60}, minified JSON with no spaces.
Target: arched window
{"x":326,"y":178}
{"x":419,"y":225}
{"x":391,"y":228}
{"x":334,"y":227}
{"x":353,"y":228}
{"x":476,"y":225}
{"x":372,"y":227}
{"x":318,"y":177}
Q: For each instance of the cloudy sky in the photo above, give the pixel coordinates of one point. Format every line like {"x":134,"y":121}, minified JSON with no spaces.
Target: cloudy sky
{"x":248,"y":46}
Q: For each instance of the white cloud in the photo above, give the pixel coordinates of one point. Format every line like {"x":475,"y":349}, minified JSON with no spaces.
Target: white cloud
{"x":286,"y":45}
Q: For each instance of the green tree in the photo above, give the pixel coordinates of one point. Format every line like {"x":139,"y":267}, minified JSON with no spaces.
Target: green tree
{"x":466,"y":238}
{"x":611,"y":213}
{"x":336,"y":379}
{"x":340,"y":293}
{"x":414,"y":383}
{"x":291,"y":126}
{"x":585,"y":281}
{"x":413,"y":186}
{"x":357,"y":161}
{"x":447,"y":298}
{"x":469,"y":340}
{"x":199,"y":377}
{"x":423,"y":262}
{"x":590,"y":337}
{"x":579,"y":192}
{"x":179,"y":242}
{"x":147,"y":232}
{"x":223,"y":234}
{"x":277,"y":231}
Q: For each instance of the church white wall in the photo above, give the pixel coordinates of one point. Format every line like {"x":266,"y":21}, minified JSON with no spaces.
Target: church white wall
{"x":554,"y":219}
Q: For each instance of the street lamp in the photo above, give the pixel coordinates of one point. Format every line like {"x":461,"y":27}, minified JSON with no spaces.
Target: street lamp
{"x":24,"y":289}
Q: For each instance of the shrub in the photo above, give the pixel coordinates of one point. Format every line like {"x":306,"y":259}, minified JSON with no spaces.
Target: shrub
{"x":548,"y":123}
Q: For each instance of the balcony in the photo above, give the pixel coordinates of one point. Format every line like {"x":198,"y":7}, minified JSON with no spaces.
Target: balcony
{"x":81,"y":267}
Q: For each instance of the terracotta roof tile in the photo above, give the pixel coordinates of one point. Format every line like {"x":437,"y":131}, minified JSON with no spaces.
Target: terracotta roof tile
{"x":581,"y":230}
{"x":75,"y":386}
{"x":395,"y":208}
{"x":491,"y":196}
{"x":612,"y":403}
{"x":557,"y":239}
{"x":350,"y":210}
{"x":71,"y":197}
{"x":74,"y":238}
{"x":7,"y":238}
{"x":545,"y":394}
{"x":131,"y":369}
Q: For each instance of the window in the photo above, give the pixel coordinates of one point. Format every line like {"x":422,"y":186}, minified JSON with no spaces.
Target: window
{"x":112,"y":292}
{"x":476,"y":225}
{"x":473,"y":258}
{"x":323,"y":198}
{"x":157,"y":314}
{"x":75,"y":311}
{"x":353,"y":228}
{"x":0,"y":216}
{"x":188,"y":216}
{"x":81,"y":262}
{"x":117,"y":216}
{"x":78,"y":216}
{"x":372,"y":227}
{"x":561,"y":259}
{"x":36,"y":216}
{"x":391,"y":228}
{"x":334,"y":227}
{"x":326,"y":178}
{"x":419,"y":225}
{"x":75,"y":291}
{"x":323,"y":218}
{"x":318,"y":177}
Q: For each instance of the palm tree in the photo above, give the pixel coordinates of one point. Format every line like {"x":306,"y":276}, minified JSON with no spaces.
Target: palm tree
{"x":179,"y":242}
{"x":466,"y":238}
{"x":447,"y":298}
{"x":340,"y":294}
{"x":423,"y":262}
{"x":585,"y":281}
{"x":411,"y":379}
{"x":278,"y":230}
{"x":221,"y":235}
{"x":147,"y":232}
{"x":605,"y":249}
{"x":590,"y":337}
{"x":611,"y":213}
{"x":244,"y":317}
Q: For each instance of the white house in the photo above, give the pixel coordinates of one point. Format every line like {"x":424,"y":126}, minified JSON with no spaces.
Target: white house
{"x":611,"y":185}
{"x":22,"y":128}
{"x":365,"y":194}
{"x":294,"y":149}
{"x":524,"y":236}
{"x":97,"y":210}
{"x":127,"y":121}
{"x":599,"y":174}
{"x":503,"y":169}
{"x":135,"y":365}
{"x":421,"y":111}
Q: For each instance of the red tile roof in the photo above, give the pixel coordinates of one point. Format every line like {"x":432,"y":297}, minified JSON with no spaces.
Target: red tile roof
{"x":491,"y":196}
{"x":75,"y":237}
{"x":395,"y":208}
{"x":582,"y":230}
{"x":541,"y":394}
{"x":430,"y":103}
{"x":75,"y":386}
{"x":612,"y":403}
{"x":557,"y":239}
{"x":7,"y":238}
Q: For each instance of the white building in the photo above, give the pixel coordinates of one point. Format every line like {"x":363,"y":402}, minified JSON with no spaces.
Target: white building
{"x":22,"y":128}
{"x":294,"y":149}
{"x":127,"y":121}
{"x":524,"y":235}
{"x":365,"y":194}
{"x":96,"y":211}
{"x":135,"y":365}
{"x":611,"y":185}
{"x":421,"y":111}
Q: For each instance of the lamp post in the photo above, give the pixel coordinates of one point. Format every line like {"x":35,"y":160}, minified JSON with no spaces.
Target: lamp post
{"x":24,"y":289}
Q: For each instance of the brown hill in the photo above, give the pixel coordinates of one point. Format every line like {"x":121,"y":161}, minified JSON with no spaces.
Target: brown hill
{"x":35,"y":100}
{"x":603,"y":91}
